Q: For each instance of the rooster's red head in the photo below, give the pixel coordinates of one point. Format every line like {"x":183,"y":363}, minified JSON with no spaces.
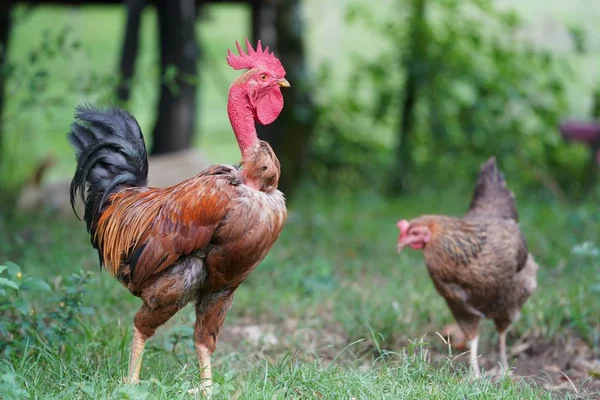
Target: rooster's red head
{"x":261,"y":83}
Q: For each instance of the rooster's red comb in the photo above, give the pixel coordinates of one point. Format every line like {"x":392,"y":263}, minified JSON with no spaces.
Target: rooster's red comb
{"x":258,"y":58}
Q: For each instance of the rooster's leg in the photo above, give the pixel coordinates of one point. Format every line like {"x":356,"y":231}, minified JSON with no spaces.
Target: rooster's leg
{"x":144,"y":325}
{"x":135,"y":360}
{"x":209,"y":320}
{"x":204,"y":355}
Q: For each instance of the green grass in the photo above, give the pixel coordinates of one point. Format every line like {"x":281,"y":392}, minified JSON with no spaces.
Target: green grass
{"x":351,"y":318}
{"x":401,"y":377}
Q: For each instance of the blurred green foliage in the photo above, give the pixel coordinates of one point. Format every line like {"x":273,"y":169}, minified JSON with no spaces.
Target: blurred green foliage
{"x":37,"y":92}
{"x":25,"y":327}
{"x":77,"y":51}
{"x":481,"y":90}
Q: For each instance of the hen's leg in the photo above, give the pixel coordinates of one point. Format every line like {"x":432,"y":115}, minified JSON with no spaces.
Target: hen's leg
{"x":502,"y":350}
{"x":144,"y":325}
{"x":209,"y":320}
{"x":469,"y":323}
{"x":474,"y":356}
{"x":502,"y":325}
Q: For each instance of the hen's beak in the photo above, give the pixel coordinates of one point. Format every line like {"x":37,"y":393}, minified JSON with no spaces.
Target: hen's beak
{"x":283,"y":82}
{"x":399,"y":247}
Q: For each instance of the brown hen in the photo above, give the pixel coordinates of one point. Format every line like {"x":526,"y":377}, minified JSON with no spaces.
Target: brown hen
{"x":480,"y":263}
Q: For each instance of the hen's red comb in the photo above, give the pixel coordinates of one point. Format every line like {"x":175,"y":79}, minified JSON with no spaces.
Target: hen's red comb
{"x":403,"y":225}
{"x":258,"y":58}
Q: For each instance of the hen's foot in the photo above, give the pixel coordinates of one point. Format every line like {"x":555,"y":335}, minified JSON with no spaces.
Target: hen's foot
{"x":204,"y":389}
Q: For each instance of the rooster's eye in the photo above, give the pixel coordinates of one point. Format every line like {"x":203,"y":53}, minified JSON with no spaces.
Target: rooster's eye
{"x":263,"y":77}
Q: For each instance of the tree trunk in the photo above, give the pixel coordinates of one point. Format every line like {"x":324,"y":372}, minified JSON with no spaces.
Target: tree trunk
{"x":130,"y":47}
{"x":5,"y":23}
{"x":596,"y":104}
{"x":179,"y":57}
{"x":404,"y":148}
{"x":280,"y":26}
{"x":263,"y":23}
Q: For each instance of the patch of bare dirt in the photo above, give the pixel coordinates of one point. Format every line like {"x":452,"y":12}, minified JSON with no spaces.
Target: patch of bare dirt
{"x":272,"y":340}
{"x":565,"y":364}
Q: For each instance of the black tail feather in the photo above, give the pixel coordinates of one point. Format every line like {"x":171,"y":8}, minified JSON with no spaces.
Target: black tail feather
{"x":111,"y":155}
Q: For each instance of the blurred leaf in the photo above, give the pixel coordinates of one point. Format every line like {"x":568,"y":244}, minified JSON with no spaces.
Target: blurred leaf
{"x":39,"y":81}
{"x":30,"y":283}
{"x":12,"y":268}
{"x":9,"y":283}
{"x":86,"y":310}
{"x":170,"y":73}
{"x":579,"y":37}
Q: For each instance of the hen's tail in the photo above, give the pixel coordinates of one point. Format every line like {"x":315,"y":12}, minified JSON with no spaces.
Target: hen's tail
{"x":492,"y":198}
{"x":111,"y":155}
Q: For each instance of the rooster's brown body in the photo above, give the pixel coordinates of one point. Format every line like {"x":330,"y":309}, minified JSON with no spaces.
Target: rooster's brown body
{"x":480,"y":263}
{"x":196,"y":241}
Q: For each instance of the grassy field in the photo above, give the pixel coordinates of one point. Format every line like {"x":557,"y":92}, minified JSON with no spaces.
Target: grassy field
{"x":332,"y":312}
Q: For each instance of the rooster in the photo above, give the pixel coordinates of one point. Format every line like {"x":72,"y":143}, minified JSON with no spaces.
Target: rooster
{"x":480,"y":263}
{"x":196,"y":241}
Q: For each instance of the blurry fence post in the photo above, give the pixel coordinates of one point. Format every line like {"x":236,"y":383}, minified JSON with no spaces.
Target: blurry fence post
{"x":5,"y":22}
{"x":412,"y":63}
{"x":130,"y":47}
{"x":179,"y":53}
{"x":291,"y":133}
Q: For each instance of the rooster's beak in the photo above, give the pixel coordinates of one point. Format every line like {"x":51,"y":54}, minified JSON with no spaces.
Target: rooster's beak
{"x":283,"y":82}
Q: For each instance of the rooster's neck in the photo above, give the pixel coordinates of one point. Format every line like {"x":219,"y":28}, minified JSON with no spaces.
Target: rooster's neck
{"x":241,"y":116}
{"x":260,"y":165}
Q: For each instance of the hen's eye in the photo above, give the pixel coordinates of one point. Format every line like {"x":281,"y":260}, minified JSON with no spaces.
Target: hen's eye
{"x":263,"y":77}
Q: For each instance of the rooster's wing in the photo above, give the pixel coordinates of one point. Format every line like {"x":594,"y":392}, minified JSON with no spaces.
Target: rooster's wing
{"x":148,"y":229}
